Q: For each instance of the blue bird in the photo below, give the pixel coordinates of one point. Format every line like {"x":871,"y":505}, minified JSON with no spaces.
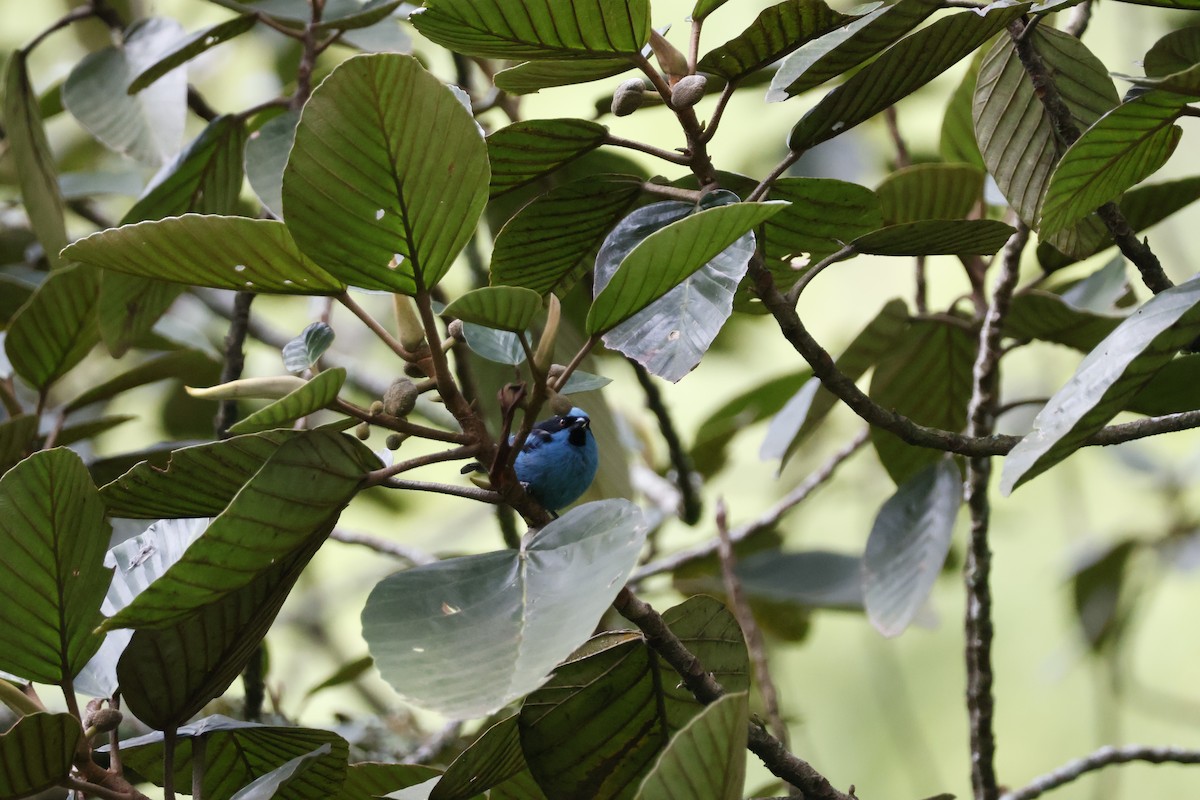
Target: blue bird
{"x":559,"y":459}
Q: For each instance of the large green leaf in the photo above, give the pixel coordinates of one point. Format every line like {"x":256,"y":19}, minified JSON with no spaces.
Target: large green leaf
{"x":365,"y":188}
{"x":367,"y":780}
{"x":707,"y":759}
{"x":1177,"y":51}
{"x":56,"y":328}
{"x":491,"y":759}
{"x":901,"y":70}
{"x":927,"y":378}
{"x":1047,"y":317}
{"x":236,"y":753}
{"x":804,"y":412}
{"x":506,"y":308}
{"x":32,"y":159}
{"x":1106,"y":380}
{"x":533,"y":76}
{"x":711,"y":633}
{"x":147,"y":126}
{"x":930,"y":191}
{"x":934,"y":237}
{"x":670,"y":335}
{"x":185,"y":50}
{"x":36,"y":753}
{"x":525,"y":29}
{"x":544,"y":247}
{"x":1015,"y":134}
{"x":128,"y":307}
{"x":1185,"y":82}
{"x":524,"y":151}
{"x":52,"y":578}
{"x":1171,"y":390}
{"x":251,"y":255}
{"x":314,"y":395}
{"x":908,"y":545}
{"x":668,"y":256}
{"x":266,"y":158}
{"x":957,"y":141}
{"x":775,"y":32}
{"x":1122,"y":148}
{"x":598,"y":724}
{"x":295,"y":498}
{"x":280,"y":781}
{"x":198,"y":481}
{"x":468,"y":635}
{"x":841,"y":50}
{"x":17,"y":436}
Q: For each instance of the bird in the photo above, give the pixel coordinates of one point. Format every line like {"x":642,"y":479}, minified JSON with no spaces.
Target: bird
{"x":559,"y":459}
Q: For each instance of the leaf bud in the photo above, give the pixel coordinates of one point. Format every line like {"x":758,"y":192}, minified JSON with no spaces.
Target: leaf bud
{"x":400,"y":398}
{"x":104,"y":719}
{"x":688,"y":90}
{"x":455,"y":330}
{"x":363,"y":431}
{"x":393,"y":441}
{"x":376,"y":408}
{"x":628,"y":97}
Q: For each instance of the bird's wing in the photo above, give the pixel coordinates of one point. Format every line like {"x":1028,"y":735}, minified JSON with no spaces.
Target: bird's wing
{"x":536,"y":438}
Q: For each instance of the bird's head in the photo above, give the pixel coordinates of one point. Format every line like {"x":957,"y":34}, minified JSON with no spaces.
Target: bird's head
{"x":576,"y":422}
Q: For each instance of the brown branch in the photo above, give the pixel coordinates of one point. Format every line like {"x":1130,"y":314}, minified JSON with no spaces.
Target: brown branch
{"x":1105,"y":756}
{"x":235,"y":359}
{"x":690,"y":504}
{"x":384,"y":546}
{"x":648,"y":149}
{"x":706,"y":689}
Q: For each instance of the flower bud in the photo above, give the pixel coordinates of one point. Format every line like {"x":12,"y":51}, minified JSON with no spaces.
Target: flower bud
{"x":628,"y":97}
{"x":400,"y":398}
{"x":104,"y":719}
{"x":688,"y":90}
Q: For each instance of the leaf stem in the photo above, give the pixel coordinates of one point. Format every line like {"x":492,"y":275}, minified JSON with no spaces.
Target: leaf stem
{"x":400,"y":425}
{"x":764,"y":186}
{"x":649,"y":149}
{"x":379,"y":476}
{"x":18,"y":701}
{"x":391,"y":341}
{"x":689,"y":501}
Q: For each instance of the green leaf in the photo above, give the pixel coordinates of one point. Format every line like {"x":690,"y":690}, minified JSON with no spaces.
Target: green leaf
{"x":1185,"y":82}
{"x":1100,"y":291}
{"x":1179,"y":50}
{"x":266,"y":158}
{"x":89,"y":429}
{"x":521,"y":786}
{"x":372,"y":12}
{"x":823,"y":216}
{"x":596,"y":727}
{"x":544,"y":247}
{"x":1121,"y":149}
{"x":1047,"y":317}
{"x":908,"y":545}
{"x":318,"y":393}
{"x":901,"y":70}
{"x":490,"y":760}
{"x":670,"y":335}
{"x":1105,"y":381}
{"x":1097,"y":587}
{"x":268,"y":786}
{"x":178,"y":364}
{"x":147,"y":126}
{"x":803,"y":414}
{"x":744,"y":409}
{"x":1014,"y":133}
{"x":235,"y":753}
{"x":811,"y":579}
{"x":705,"y":7}
{"x":198,"y":481}
{"x":533,"y":76}
{"x":524,"y":151}
{"x":707,"y":759}
{"x":306,"y":349}
{"x":295,"y":498}
{"x":501,"y":347}
{"x":53,"y":535}
{"x":506,"y":308}
{"x":518,"y":29}
{"x":930,"y":191}
{"x":128,"y":307}
{"x":957,"y":141}
{"x":958,"y":237}
{"x":384,"y":116}
{"x":187,"y":49}
{"x":775,"y":32}
{"x":32,"y":159}
{"x":348,"y":672}
{"x":668,"y":256}
{"x":1171,"y":390}
{"x":251,"y":255}
{"x":56,"y":328}
{"x":36,"y":753}
{"x":927,"y":378}
{"x":17,"y":435}
{"x":368,"y":780}
{"x":711,"y":633}
{"x":842,"y":50}
{"x":580,"y":382}
{"x":428,"y":626}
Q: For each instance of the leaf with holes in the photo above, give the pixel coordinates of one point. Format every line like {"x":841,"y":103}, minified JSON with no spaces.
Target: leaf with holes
{"x":775,"y":32}
{"x":52,"y":577}
{"x":520,"y":29}
{"x":386,"y":117}
{"x":505,"y":308}
{"x":428,"y":626}
{"x":295,"y":498}
{"x":908,"y":546}
{"x":36,"y":753}
{"x":1122,"y":148}
{"x":524,"y":151}
{"x":318,"y":393}
{"x":1106,"y":380}
{"x":249,"y":255}
{"x":902,"y":69}
{"x":544,"y":247}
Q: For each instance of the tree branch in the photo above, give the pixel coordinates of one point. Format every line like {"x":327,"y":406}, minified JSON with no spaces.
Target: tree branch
{"x":1103,"y":757}
{"x":384,"y":546}
{"x":235,"y":359}
{"x":689,"y":500}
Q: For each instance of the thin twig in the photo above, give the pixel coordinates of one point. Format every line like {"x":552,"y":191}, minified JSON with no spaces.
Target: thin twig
{"x":379,"y":476}
{"x":88,"y":789}
{"x":394,"y":549}
{"x":648,"y":149}
{"x":235,"y":359}
{"x":981,"y":416}
{"x":384,"y":335}
{"x":690,"y":504}
{"x":710,"y":128}
{"x":745,"y":618}
{"x":74,"y":15}
{"x":587,"y":347}
{"x":673,"y":192}
{"x":469,"y":492}
{"x":400,"y":424}
{"x":793,"y":295}
{"x":694,"y":45}
{"x":764,"y":186}
{"x":1105,"y":756}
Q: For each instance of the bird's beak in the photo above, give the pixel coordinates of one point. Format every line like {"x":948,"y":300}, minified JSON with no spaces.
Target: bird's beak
{"x":582,"y":423}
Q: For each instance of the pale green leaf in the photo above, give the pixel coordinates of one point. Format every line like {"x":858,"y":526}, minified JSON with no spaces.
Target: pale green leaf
{"x":318,"y":393}
{"x":506,"y":308}
{"x":306,"y":349}
{"x":187,"y":49}
{"x":266,"y":157}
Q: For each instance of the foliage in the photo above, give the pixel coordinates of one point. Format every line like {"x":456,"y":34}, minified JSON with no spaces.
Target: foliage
{"x":374,"y":175}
